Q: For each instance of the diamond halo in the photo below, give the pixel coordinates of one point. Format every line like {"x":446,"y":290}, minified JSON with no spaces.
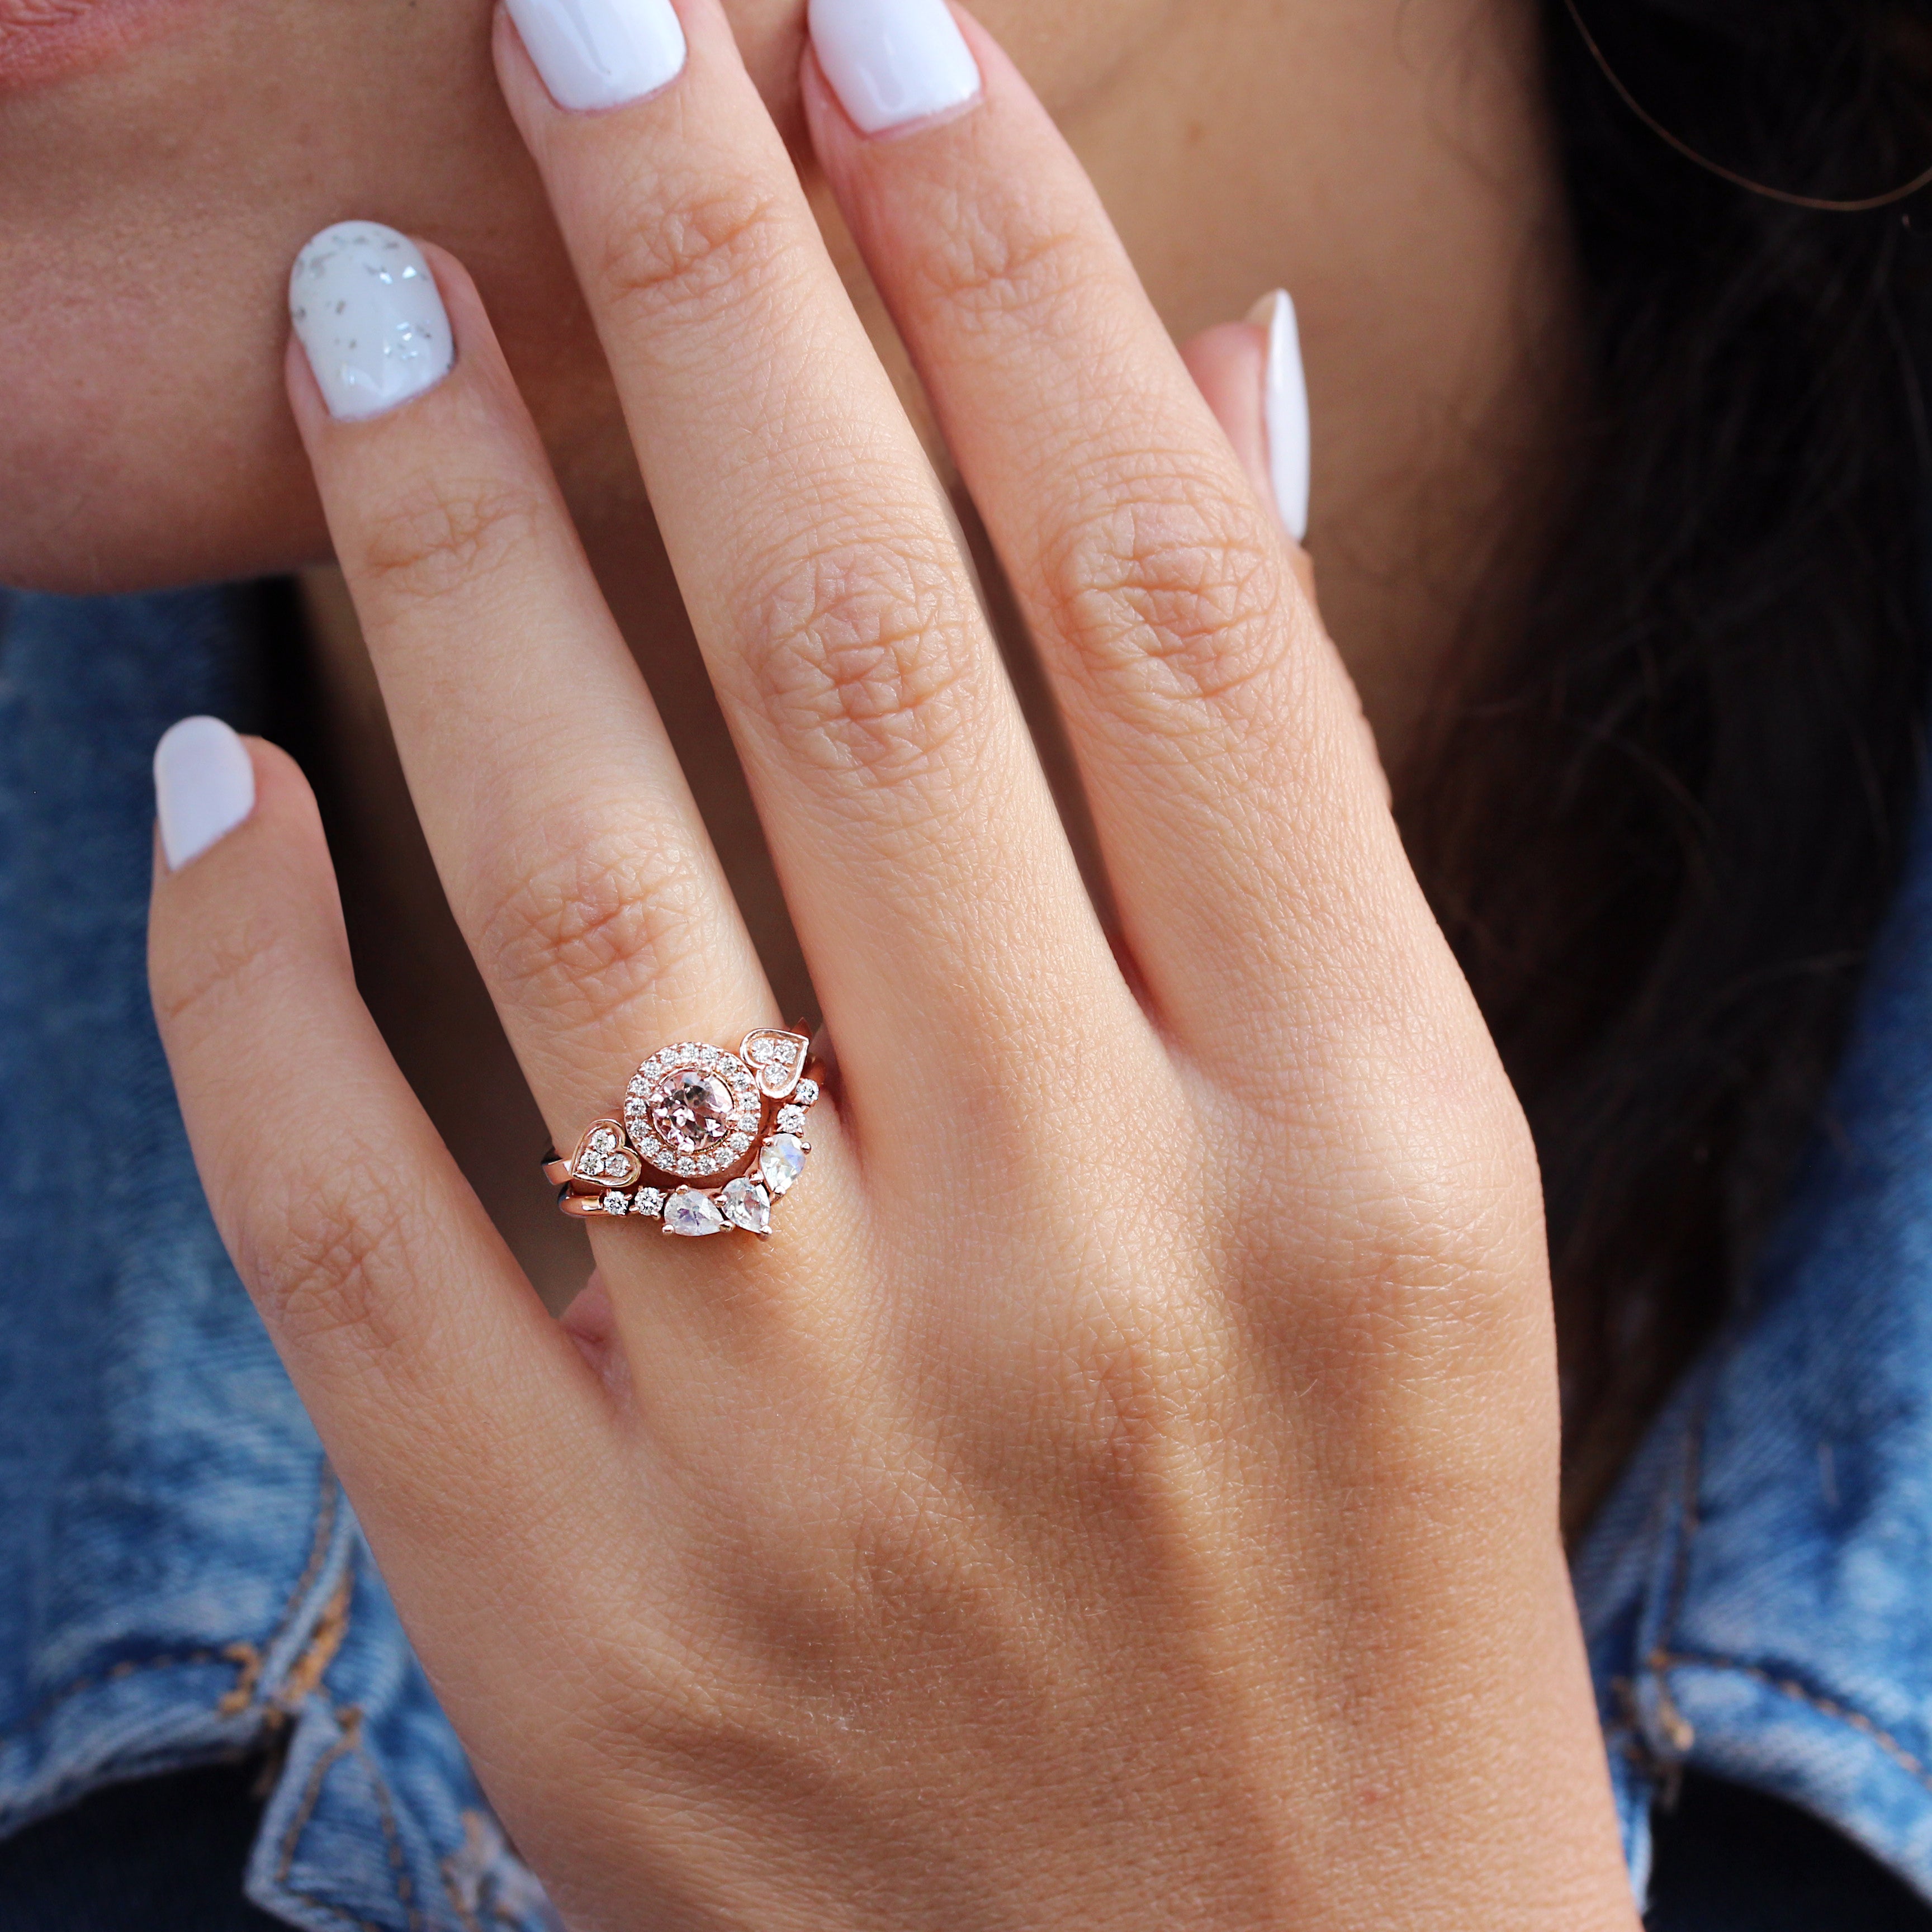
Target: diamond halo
{"x":694,"y":1114}
{"x":693,"y":1111}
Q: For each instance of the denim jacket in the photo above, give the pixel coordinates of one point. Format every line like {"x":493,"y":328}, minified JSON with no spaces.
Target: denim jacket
{"x":182,"y":1581}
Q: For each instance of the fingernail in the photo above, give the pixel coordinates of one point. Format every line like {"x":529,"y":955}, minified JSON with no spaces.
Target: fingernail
{"x":1284,"y":409}
{"x":365,"y":308}
{"x":893,"y":62}
{"x":204,"y":787}
{"x":600,"y":53}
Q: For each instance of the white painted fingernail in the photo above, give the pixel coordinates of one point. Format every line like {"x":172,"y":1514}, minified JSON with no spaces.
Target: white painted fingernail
{"x":365,"y":308}
{"x":204,"y":787}
{"x":1284,"y":409}
{"x":600,"y":53}
{"x":893,"y":62}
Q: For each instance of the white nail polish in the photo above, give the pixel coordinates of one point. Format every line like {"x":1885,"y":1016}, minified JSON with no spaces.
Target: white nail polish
{"x":204,"y":787}
{"x":1286,"y":411}
{"x":600,"y":53}
{"x":365,"y":308}
{"x":893,"y":62}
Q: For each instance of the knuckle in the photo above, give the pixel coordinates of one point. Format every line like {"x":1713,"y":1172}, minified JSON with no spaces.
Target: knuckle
{"x":1126,"y":1377}
{"x":1136,"y":1375}
{"x":712,"y":242}
{"x":1003,"y":259}
{"x":446,"y":531}
{"x":857,"y":654}
{"x":595,"y":925}
{"x":322,"y":1263}
{"x":1428,"y":1237}
{"x":1170,"y":596}
{"x":1427,"y":1286}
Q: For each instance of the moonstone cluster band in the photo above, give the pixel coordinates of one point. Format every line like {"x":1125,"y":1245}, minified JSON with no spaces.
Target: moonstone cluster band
{"x":724,"y":1133}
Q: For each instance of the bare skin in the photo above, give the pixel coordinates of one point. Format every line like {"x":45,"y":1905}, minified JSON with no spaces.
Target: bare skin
{"x":1438,"y":253}
{"x":980,"y":1556}
{"x":1388,"y":163}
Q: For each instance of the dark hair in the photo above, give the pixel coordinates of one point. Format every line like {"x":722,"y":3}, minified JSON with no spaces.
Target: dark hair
{"x":1716,"y":697}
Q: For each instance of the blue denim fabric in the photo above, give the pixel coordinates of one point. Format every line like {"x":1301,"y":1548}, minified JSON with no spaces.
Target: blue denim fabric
{"x":1758,"y":1593}
{"x":181,"y":1580}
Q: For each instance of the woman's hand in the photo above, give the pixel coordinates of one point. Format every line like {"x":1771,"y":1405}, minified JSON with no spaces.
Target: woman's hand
{"x":1123,"y":1494}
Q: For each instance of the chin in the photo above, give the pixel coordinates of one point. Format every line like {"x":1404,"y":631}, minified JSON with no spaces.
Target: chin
{"x":119,"y":552}
{"x":153,"y":210}
{"x":109,"y":486}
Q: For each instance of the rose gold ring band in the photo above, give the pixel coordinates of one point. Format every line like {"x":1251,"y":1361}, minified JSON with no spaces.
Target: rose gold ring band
{"x":708,"y":1140}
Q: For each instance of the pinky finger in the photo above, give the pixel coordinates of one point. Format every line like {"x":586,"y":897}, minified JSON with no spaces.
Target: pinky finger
{"x":1251,"y":374}
{"x":421,"y":1351}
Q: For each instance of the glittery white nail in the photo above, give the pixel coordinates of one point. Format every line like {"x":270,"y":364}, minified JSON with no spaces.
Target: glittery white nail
{"x":601,"y":53}
{"x":1284,"y":409}
{"x":365,"y":308}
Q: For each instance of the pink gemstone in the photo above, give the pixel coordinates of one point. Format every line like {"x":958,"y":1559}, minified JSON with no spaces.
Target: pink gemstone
{"x":690,"y":1110}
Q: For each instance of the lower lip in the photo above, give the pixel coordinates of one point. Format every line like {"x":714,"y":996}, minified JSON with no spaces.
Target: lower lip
{"x":44,"y":40}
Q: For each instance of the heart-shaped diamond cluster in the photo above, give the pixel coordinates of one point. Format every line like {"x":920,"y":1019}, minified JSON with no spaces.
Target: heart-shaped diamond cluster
{"x":601,"y":1155}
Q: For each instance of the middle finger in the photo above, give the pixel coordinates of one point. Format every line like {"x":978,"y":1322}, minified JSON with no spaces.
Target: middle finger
{"x":933,"y":889}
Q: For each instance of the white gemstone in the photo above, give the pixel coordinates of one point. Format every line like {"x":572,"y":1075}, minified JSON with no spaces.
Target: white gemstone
{"x":603,"y":1140}
{"x":650,"y":1201}
{"x":781,"y":1162}
{"x":616,"y":1204}
{"x":748,"y":1206}
{"x":688,"y":1212}
{"x":591,"y":1166}
{"x":791,"y":1120}
{"x":686,"y":1165}
{"x":805,"y":1092}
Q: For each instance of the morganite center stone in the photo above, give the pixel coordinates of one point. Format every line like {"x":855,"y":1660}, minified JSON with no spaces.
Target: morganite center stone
{"x":690,"y":1110}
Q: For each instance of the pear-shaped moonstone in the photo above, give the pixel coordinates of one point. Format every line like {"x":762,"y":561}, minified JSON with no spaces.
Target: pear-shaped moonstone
{"x":690,"y":1212}
{"x":781,"y":1162}
{"x":748,"y":1206}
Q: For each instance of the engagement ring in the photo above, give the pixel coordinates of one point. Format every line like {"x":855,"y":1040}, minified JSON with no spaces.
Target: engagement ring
{"x":724,"y":1131}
